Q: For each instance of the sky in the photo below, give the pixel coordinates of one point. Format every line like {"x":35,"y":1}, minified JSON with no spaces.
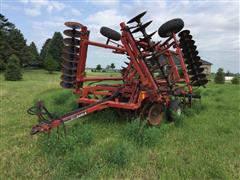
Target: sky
{"x":213,"y":24}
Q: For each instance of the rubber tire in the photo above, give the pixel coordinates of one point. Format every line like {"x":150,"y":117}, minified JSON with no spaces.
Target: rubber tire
{"x":171,"y":26}
{"x":174,"y":106}
{"x":110,"y":33}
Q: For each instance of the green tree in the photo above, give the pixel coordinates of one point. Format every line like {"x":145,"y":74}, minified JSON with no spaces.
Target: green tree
{"x":5,"y":28}
{"x":13,"y":69}
{"x":236,"y":80}
{"x":50,"y":64}
{"x":219,"y":77}
{"x":112,"y":66}
{"x":44,"y":50}
{"x":98,"y":67}
{"x":17,"y":45}
{"x":5,"y":25}
{"x":55,"y":48}
{"x":33,"y":55}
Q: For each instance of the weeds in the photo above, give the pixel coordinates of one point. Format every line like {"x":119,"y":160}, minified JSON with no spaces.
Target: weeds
{"x":148,"y":136}
{"x":116,"y":153}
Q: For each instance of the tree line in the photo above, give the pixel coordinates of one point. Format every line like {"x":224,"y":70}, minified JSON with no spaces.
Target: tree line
{"x":15,"y":54}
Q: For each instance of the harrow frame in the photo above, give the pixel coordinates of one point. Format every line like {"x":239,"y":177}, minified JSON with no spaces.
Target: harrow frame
{"x":139,"y":86}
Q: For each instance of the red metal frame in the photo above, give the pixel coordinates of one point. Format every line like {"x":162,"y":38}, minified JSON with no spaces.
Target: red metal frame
{"x":138,"y":82}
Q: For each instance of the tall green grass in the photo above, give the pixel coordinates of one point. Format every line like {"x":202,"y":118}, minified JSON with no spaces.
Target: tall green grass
{"x":201,"y":144}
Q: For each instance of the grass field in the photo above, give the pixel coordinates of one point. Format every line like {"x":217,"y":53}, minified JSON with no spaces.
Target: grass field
{"x":203,"y":144}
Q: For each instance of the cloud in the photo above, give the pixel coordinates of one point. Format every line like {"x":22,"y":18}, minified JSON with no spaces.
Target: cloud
{"x":32,"y":12}
{"x":75,"y":12}
{"x":214,"y":25}
{"x":35,"y":8}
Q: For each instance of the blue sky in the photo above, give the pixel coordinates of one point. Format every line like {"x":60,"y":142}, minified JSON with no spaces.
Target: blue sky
{"x":213,"y":24}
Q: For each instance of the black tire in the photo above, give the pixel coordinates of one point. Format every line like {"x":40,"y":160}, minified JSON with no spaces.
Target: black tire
{"x":174,"y":109}
{"x":171,"y":26}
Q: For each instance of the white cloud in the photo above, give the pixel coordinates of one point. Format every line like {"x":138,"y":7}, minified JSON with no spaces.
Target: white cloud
{"x":32,"y":12}
{"x":75,"y":12}
{"x":35,"y":8}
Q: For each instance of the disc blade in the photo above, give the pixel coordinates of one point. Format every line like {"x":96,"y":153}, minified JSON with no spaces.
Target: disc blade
{"x":73,"y":25}
{"x":68,"y":67}
{"x":69,"y":64}
{"x":184,"y":33}
{"x":71,"y":49}
{"x":194,"y":64}
{"x":137,"y":18}
{"x":196,"y":71}
{"x":187,"y":37}
{"x":148,"y":37}
{"x":68,"y":72}
{"x":189,"y":48}
{"x":71,"y":41}
{"x":66,"y":85}
{"x":71,"y":57}
{"x":197,"y":77}
{"x":187,"y":43}
{"x":200,"y":82}
{"x":142,"y":27}
{"x":68,"y":79}
{"x":190,"y":55}
{"x":72,"y":33}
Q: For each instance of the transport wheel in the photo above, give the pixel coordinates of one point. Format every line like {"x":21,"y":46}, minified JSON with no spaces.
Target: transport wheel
{"x":155,"y":115}
{"x":174,"y":110}
{"x":171,"y":26}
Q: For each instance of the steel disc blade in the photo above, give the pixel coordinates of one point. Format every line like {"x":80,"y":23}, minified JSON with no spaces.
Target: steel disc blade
{"x":191,"y":55}
{"x":142,"y":27}
{"x":187,"y":43}
{"x":197,"y":77}
{"x":186,"y":38}
{"x":69,"y":60}
{"x":69,"y":72}
{"x":68,"y":67}
{"x":189,"y":48}
{"x":71,"y":41}
{"x":70,"y":63}
{"x":194,"y":64}
{"x":191,"y":60}
{"x":148,"y":37}
{"x":184,"y":33}
{"x":71,"y":57}
{"x":137,"y":18}
{"x":196,"y":71}
{"x":66,"y":85}
{"x":71,"y":49}
{"x":73,"y":25}
{"x":68,"y":79}
{"x":200,"y":82}
{"x":72,"y":33}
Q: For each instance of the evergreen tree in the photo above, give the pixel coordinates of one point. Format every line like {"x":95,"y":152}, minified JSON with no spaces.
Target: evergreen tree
{"x":44,"y":50}
{"x":17,"y":45}
{"x":55,"y":48}
{"x":33,"y":55}
{"x":219,"y":77}
{"x":2,"y":63}
{"x":98,"y":67}
{"x":13,"y":69}
{"x":5,"y":25}
{"x":5,"y":28}
{"x":50,"y":64}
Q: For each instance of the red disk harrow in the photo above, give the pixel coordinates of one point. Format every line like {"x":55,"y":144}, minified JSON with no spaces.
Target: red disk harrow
{"x":158,"y":75}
